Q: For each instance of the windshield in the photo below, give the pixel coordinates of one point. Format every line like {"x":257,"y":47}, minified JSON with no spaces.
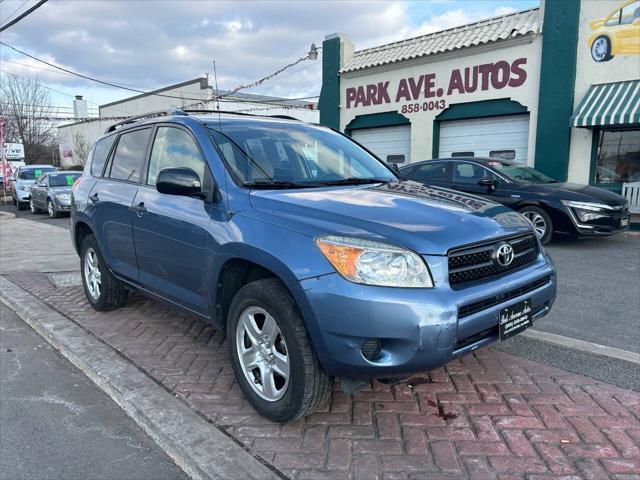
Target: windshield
{"x":63,"y":179}
{"x":522,"y":173}
{"x":33,"y":173}
{"x":294,"y":155}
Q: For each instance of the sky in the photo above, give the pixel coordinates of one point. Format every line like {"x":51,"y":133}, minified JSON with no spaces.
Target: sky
{"x":150,"y":44}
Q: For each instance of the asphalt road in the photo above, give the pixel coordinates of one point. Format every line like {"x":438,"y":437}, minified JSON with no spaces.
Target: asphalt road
{"x":40,"y":217}
{"x":598,"y":291}
{"x":55,"y":423}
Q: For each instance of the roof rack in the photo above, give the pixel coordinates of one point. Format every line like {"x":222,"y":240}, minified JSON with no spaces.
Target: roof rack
{"x":139,"y":118}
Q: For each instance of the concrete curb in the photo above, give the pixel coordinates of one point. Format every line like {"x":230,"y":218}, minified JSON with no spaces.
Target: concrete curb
{"x":200,"y":448}
{"x":7,"y":215}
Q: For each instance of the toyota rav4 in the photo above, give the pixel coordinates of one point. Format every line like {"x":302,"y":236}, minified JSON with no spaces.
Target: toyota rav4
{"x":315,"y":257}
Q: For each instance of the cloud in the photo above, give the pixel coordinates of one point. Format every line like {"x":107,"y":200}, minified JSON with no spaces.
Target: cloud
{"x":153,"y":44}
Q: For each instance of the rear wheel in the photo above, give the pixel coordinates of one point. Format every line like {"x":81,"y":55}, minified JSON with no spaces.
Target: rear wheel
{"x":271,"y":354}
{"x":103,"y":290}
{"x":541,"y":222}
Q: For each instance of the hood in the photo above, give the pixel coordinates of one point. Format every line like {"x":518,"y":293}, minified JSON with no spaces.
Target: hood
{"x":426,"y":219}
{"x":58,"y":190}
{"x":579,"y":193}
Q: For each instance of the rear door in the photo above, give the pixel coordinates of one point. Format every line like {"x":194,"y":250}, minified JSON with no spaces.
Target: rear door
{"x":170,"y":231}
{"x":111,"y":199}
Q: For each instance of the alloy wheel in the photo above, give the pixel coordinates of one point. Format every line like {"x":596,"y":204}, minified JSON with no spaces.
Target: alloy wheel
{"x":92,"y":274}
{"x":599,"y":49}
{"x":50,"y":208}
{"x":32,"y":207}
{"x":537,"y":221}
{"x":262,"y":353}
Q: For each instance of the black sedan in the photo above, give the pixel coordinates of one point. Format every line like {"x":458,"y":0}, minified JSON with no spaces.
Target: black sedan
{"x":551,"y":206}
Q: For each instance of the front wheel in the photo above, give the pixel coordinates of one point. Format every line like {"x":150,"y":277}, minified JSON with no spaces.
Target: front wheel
{"x":103,"y":290}
{"x":601,"y":49}
{"x":541,"y":222}
{"x":51,"y":209}
{"x":271,"y":354}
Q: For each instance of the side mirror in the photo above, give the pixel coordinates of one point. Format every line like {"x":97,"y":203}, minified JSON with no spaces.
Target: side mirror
{"x":395,"y":168}
{"x":179,"y":181}
{"x":489,"y":183}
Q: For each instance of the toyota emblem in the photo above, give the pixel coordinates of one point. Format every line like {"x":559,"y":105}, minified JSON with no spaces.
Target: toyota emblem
{"x":503,"y":254}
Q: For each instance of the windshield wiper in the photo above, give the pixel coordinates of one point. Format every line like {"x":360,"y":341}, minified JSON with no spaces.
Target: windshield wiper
{"x":273,"y":184}
{"x":352,"y":181}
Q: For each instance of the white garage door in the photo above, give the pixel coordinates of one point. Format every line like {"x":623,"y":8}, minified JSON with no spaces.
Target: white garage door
{"x":386,"y":142}
{"x":505,"y":137}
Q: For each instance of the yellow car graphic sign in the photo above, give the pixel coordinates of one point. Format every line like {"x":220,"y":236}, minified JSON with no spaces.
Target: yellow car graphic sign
{"x":616,"y":34}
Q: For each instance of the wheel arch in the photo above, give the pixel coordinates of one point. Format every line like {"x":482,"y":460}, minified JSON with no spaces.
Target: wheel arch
{"x":80,"y":231}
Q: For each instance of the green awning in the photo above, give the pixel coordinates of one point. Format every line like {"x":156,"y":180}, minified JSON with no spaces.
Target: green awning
{"x":609,"y":104}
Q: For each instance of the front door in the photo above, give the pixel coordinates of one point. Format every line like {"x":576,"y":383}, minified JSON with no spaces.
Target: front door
{"x":469,"y":177}
{"x":171,"y":232}
{"x":111,"y":199}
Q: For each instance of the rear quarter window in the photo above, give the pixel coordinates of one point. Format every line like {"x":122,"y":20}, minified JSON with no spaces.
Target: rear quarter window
{"x":100,"y":153}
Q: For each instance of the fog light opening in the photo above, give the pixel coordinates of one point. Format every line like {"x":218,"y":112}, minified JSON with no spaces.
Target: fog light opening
{"x":370,"y":349}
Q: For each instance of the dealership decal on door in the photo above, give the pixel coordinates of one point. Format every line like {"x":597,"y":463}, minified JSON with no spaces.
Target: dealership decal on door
{"x":487,"y":76}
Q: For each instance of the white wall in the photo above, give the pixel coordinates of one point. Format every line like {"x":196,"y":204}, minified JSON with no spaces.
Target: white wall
{"x":589,"y":72}
{"x":442,"y":65}
{"x":68,"y":135}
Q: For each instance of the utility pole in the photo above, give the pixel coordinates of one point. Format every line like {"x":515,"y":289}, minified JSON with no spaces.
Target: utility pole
{"x":5,"y":170}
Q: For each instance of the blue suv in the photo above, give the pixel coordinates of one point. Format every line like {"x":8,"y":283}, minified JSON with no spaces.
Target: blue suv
{"x":315,"y":258}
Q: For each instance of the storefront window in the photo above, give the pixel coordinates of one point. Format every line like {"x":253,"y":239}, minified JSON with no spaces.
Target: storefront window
{"x":618,"y":156}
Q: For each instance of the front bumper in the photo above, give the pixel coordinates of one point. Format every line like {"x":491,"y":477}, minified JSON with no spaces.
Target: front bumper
{"x":610,"y":222}
{"x":22,"y":196}
{"x":418,"y":329}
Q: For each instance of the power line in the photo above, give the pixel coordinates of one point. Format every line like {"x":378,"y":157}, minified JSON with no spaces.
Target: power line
{"x":16,"y":10}
{"x":24,"y":14}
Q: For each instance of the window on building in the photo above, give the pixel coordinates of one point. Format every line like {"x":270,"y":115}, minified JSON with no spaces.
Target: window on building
{"x":128,"y":159}
{"x":100,"y":153}
{"x":503,"y":154}
{"x":618,"y":159}
{"x":462,"y":154}
{"x":174,"y":147}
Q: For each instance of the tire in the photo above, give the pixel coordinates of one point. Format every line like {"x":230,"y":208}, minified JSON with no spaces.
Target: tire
{"x":51,"y":209}
{"x":601,"y":49}
{"x":15,"y":202}
{"x":111,"y":292}
{"x":23,"y":205}
{"x":32,"y":206}
{"x":541,"y":222}
{"x":307,"y":386}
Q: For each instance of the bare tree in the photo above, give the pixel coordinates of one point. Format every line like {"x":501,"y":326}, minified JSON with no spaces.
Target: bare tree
{"x":25,"y":104}
{"x":81,"y":148}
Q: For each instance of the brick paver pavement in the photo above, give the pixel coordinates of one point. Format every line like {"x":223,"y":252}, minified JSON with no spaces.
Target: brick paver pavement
{"x":487,"y":416}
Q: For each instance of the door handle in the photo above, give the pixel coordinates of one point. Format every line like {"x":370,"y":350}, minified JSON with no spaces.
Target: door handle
{"x":94,"y":198}
{"x":139,"y":209}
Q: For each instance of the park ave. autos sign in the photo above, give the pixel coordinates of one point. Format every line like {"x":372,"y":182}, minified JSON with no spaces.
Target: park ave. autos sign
{"x":428,"y":92}
{"x":13,"y":151}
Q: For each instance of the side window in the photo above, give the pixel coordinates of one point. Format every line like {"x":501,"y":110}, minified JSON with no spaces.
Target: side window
{"x":614,"y":19}
{"x":436,"y":171}
{"x":471,"y":173}
{"x":174,"y":147}
{"x":100,"y":152}
{"x":503,"y":154}
{"x":128,"y":158}
{"x":628,"y":13}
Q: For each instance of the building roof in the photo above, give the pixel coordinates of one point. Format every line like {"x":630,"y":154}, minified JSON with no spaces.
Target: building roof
{"x":485,"y":31}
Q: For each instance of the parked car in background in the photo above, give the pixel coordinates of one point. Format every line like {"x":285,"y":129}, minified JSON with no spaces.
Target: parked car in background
{"x":551,"y":206}
{"x":52,"y":193}
{"x":616,"y":34}
{"x":21,"y":182}
{"x":309,"y":252}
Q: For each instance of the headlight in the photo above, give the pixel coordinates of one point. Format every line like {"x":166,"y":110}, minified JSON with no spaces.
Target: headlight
{"x":63,"y":197}
{"x":592,"y":207}
{"x":374,"y":263}
{"x":587,"y":211}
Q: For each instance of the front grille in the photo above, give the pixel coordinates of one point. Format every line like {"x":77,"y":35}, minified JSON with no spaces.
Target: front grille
{"x":474,"y":263}
{"x":476,"y":307}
